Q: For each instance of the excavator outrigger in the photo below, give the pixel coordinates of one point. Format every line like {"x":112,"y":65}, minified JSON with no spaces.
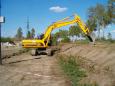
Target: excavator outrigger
{"x":39,"y":45}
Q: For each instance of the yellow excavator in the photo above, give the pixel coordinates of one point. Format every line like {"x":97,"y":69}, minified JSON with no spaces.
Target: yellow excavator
{"x":42,"y":44}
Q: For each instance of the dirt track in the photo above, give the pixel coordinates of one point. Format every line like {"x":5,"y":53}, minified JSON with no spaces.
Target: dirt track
{"x":25,"y":70}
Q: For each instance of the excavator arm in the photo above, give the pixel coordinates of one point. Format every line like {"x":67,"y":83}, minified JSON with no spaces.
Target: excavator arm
{"x":61,"y":23}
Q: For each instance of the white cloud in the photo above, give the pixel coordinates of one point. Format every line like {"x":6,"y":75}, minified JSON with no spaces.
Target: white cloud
{"x":113,"y":31}
{"x":58,"y":9}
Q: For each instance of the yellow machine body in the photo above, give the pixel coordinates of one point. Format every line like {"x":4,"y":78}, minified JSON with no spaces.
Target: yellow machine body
{"x":43,"y":43}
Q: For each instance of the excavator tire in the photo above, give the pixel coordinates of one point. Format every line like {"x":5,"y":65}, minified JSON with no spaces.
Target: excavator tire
{"x":33,"y":52}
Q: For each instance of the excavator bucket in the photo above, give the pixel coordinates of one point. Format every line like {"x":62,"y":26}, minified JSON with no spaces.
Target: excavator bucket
{"x":90,"y":38}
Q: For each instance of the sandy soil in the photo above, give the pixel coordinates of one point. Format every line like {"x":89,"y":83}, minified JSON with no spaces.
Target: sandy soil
{"x":9,"y":51}
{"x":25,"y":70}
{"x":100,"y":57}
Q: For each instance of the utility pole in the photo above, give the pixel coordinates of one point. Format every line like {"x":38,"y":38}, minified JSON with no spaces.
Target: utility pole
{"x":28,"y":26}
{"x":0,"y":44}
{"x":0,"y":37}
{"x":2,"y":20}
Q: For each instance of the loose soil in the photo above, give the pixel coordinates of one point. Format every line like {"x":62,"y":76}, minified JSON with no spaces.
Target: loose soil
{"x":26,"y":70}
{"x":98,"y":60}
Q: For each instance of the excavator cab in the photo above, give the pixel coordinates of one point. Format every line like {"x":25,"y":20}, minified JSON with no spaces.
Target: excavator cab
{"x":40,"y":36}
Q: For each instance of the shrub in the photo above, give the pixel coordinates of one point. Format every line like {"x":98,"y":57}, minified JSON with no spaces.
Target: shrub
{"x":65,"y":39}
{"x":6,"y":39}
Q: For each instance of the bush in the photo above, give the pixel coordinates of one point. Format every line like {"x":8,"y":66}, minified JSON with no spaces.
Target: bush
{"x":6,"y":39}
{"x":65,"y":39}
{"x":111,"y":40}
{"x":82,"y":41}
{"x":54,"y":41}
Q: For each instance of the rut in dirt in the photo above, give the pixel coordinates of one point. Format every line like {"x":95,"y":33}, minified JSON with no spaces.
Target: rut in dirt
{"x":25,"y":70}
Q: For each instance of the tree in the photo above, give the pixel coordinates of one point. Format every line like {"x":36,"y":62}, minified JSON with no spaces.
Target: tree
{"x":74,"y":31}
{"x":32,"y":33}
{"x":28,"y":35}
{"x":63,"y":33}
{"x":111,"y":10}
{"x":91,"y":24}
{"x":55,"y":37}
{"x":65,"y":39}
{"x":99,"y":12}
{"x":6,"y":39}
{"x":109,"y":36}
{"x":19,"y":34}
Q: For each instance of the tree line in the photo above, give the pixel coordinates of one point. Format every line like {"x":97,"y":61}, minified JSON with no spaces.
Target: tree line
{"x":29,"y":35}
{"x":99,"y":17}
{"x":19,"y":35}
{"x":74,"y":31}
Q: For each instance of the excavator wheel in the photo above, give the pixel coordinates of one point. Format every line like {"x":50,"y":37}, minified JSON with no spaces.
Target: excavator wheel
{"x":33,"y":52}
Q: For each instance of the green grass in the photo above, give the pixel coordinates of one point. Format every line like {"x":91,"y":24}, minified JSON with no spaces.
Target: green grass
{"x":73,"y":70}
{"x":6,"y":39}
{"x":82,"y":42}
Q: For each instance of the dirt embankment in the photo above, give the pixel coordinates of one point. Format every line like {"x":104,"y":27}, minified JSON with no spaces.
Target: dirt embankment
{"x":98,"y":59}
{"x":7,"y":52}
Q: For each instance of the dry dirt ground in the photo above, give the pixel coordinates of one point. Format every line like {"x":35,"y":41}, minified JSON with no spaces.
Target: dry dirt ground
{"x":25,"y":70}
{"x":98,"y":59}
{"x":10,"y":50}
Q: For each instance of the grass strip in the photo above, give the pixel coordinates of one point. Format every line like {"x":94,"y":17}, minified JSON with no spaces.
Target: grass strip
{"x":73,"y":70}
